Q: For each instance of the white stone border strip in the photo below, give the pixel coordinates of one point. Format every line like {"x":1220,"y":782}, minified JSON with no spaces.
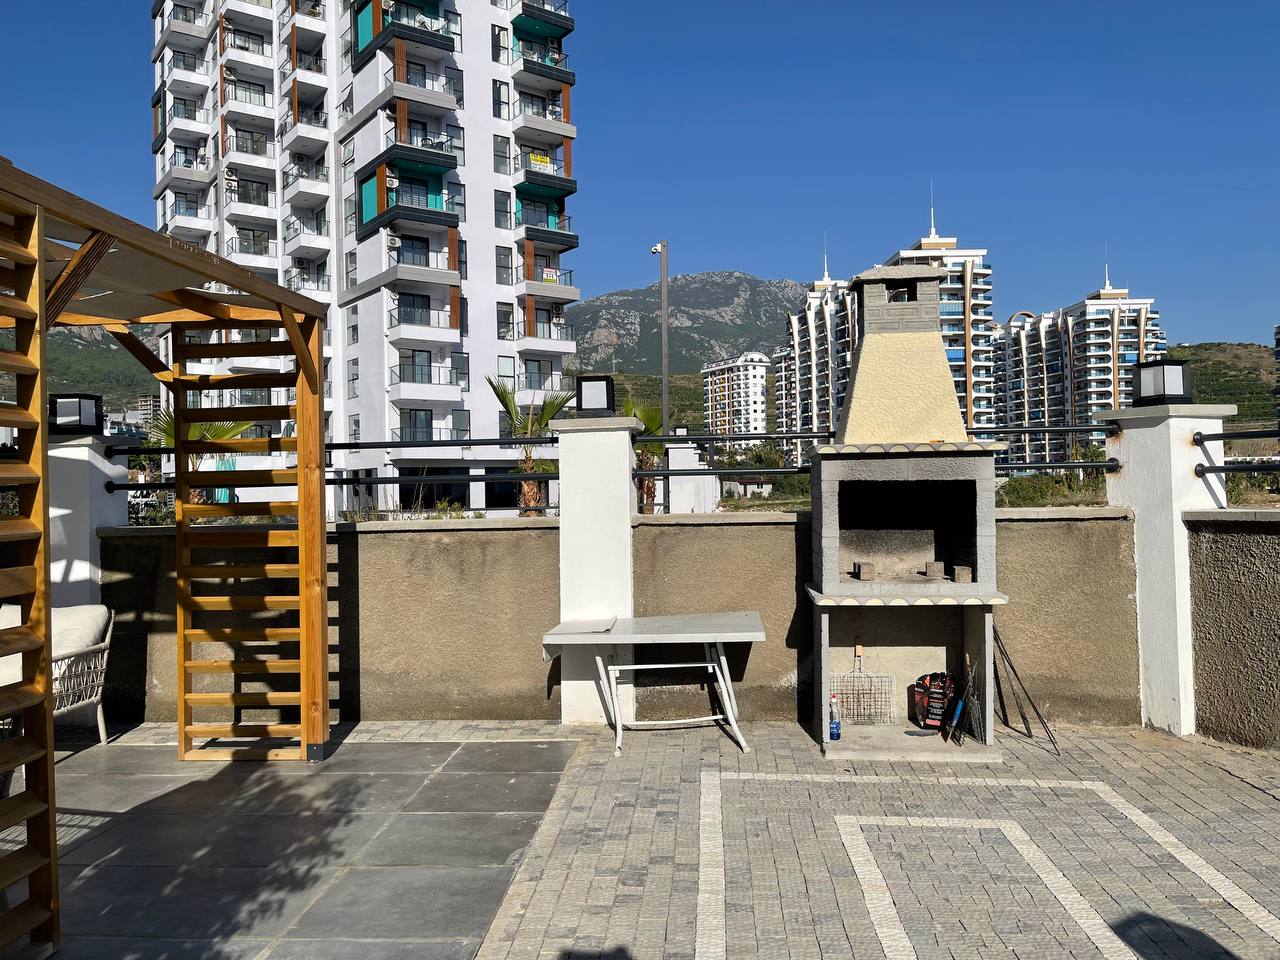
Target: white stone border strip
{"x":883,"y":912}
{"x":710,"y":942}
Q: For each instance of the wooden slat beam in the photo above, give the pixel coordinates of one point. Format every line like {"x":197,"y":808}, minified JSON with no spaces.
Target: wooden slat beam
{"x":141,"y":352}
{"x":76,"y":273}
{"x":189,"y":300}
{"x":306,"y":364}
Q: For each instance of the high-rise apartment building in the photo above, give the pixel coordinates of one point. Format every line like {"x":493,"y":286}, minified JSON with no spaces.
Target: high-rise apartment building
{"x":408,"y":163}
{"x":823,"y":334}
{"x":1059,"y":368}
{"x":1277,"y":389}
{"x":735,"y":395}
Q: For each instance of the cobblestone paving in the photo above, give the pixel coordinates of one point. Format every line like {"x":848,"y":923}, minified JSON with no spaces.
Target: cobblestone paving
{"x":1132,"y":844}
{"x":369,"y":731}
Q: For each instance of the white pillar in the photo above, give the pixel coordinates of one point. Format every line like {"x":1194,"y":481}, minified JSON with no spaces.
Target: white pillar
{"x":1157,"y":481}
{"x":79,"y":505}
{"x":597,"y":502}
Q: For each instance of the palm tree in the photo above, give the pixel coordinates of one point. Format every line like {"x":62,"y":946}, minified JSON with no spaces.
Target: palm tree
{"x":534,"y":422}
{"x":162,"y":432}
{"x":647,"y":454}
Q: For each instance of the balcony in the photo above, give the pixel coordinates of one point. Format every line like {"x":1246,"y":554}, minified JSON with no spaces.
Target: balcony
{"x":533,"y":388}
{"x":310,"y":70}
{"x":187,"y":74}
{"x":253,"y":252}
{"x":439,"y":33}
{"x":306,"y":184}
{"x":309,"y":19}
{"x":255,"y":152}
{"x":308,"y":132}
{"x":183,"y":27}
{"x":549,"y":283}
{"x":541,"y":175}
{"x":434,"y":209}
{"x":539,"y":66}
{"x":428,"y":435}
{"x":306,"y":281}
{"x":421,"y":385}
{"x":556,"y":338}
{"x":247,"y":56}
{"x":423,"y":86}
{"x":542,"y":18}
{"x":306,"y":237}
{"x":242,"y":100}
{"x":249,"y":200}
{"x":192,"y":121}
{"x":546,"y":229}
{"x":543,"y":123}
{"x":184,"y":172}
{"x":189,"y":221}
{"x":259,"y":11}
{"x":419,"y":326}
{"x":435,"y":150}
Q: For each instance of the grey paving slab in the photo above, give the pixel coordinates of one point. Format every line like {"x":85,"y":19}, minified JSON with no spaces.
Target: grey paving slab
{"x":361,"y":757}
{"x":327,"y":839}
{"x":129,"y":948}
{"x":406,"y":903}
{"x":513,"y":756}
{"x":126,"y":760}
{"x":374,"y":950}
{"x":265,"y":791}
{"x":196,"y":903}
{"x":485,"y":793}
{"x":451,"y":839}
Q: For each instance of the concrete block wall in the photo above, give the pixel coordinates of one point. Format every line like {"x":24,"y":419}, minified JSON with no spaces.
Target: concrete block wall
{"x":443,"y":619}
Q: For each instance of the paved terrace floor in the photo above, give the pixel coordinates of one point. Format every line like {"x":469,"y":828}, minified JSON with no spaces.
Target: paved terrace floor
{"x":1131,"y":844}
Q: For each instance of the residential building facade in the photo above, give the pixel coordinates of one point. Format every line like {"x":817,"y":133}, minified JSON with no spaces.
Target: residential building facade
{"x":408,"y":164}
{"x":1060,"y":368}
{"x":735,"y":394}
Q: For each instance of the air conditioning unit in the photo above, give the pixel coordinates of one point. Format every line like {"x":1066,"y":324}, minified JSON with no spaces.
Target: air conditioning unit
{"x":388,"y":4}
{"x":393,"y":242}
{"x":392,"y":182}
{"x":228,"y":73}
{"x":300,"y":263}
{"x":300,"y":158}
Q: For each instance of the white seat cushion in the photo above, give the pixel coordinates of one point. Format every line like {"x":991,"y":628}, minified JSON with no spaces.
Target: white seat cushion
{"x":74,"y":628}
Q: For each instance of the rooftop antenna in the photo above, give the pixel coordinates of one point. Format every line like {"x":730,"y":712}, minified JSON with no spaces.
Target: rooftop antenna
{"x":933,"y":230}
{"x":1106,"y":264}
{"x":826,"y":275}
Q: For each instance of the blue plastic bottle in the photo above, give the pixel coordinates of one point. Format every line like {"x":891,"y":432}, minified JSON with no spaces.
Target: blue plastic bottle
{"x":835,"y":718}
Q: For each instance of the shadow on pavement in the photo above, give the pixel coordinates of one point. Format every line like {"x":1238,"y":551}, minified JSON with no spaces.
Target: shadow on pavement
{"x":1155,"y":938}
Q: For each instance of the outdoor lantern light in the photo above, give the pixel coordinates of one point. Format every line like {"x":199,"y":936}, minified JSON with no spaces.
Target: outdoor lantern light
{"x":75,"y":414}
{"x":595,"y":396}
{"x":1161,"y":382}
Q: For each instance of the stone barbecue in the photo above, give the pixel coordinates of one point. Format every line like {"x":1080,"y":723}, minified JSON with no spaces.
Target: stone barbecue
{"x":904,"y":561}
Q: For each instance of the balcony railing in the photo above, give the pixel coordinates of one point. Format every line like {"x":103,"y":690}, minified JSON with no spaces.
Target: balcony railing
{"x":543,"y":220}
{"x":258,"y":147}
{"x":428,"y":435}
{"x":295,"y":172}
{"x":183,"y":60}
{"x":312,"y":118}
{"x":302,"y":280}
{"x":436,"y":82}
{"x":427,"y":140}
{"x":554,"y":6}
{"x":296,"y":227}
{"x":528,"y":107}
{"x":247,"y":42}
{"x":251,"y":246}
{"x":245,"y":94}
{"x":544,"y":381}
{"x":186,"y":161}
{"x":188,"y":15}
{"x":411,"y":16}
{"x":424,"y":373}
{"x":431,"y":201}
{"x":257,"y":195}
{"x":539,"y":53}
{"x":418,"y":317}
{"x":311,"y":62}
{"x":182,"y":209}
{"x":414,"y":257}
{"x":550,"y":331}
{"x":554,"y":275}
{"x":540,"y":163}
{"x":306,"y":8}
{"x":181,"y":111}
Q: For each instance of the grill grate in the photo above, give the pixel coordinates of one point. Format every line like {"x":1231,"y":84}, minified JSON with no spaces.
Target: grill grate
{"x":865,"y":698}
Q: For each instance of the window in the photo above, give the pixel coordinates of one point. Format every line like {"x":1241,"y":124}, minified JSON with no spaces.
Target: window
{"x":506,"y":321}
{"x":501,"y":98}
{"x":350,"y":257}
{"x":500,"y":39}
{"x":353,"y":378}
{"x":353,"y":326}
{"x":462,"y":259}
{"x":348,"y":159}
{"x":461,"y":424}
{"x":461,"y":366}
{"x":349,"y":214}
{"x":502,"y":210}
{"x":353,"y":429}
{"x":502,"y":256}
{"x":501,"y":154}
{"x":507,"y":376}
{"x":415,"y":425}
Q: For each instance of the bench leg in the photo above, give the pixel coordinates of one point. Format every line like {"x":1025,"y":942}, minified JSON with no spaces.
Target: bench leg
{"x":606,"y":690}
{"x":730,"y":706}
{"x":102,"y":725}
{"x":617,"y":713}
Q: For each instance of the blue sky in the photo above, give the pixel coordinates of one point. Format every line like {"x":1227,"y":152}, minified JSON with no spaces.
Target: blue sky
{"x":741,"y":130}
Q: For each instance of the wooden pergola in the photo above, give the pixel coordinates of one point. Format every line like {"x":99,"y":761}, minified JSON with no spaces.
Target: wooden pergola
{"x":65,"y":261}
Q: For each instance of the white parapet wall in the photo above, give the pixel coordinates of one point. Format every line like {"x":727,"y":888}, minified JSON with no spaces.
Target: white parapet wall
{"x":1157,"y":479}
{"x":79,"y":505}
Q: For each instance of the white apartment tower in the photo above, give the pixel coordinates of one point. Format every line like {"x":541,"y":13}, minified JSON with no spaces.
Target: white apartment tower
{"x":734,"y":395}
{"x":408,"y":163}
{"x":1059,"y":368}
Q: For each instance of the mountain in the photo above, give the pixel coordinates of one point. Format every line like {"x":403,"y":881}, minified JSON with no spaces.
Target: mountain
{"x":86,"y":360}
{"x":1239,"y":373}
{"x":712,"y":316}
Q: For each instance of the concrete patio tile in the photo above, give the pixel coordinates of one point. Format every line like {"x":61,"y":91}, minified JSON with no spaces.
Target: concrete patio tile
{"x":317,"y":839}
{"x":108,"y":793}
{"x":126,"y":760}
{"x":264,"y":791}
{"x":372,"y":758}
{"x":485,"y":793}
{"x":128,"y":948}
{"x":451,"y":839}
{"x":199,"y":903}
{"x":406,"y":903}
{"x":516,"y":757}
{"x":375,"y":950}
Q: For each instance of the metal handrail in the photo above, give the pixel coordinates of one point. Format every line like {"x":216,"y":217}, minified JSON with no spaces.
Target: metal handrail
{"x":1110,"y":429}
{"x":1254,"y":466}
{"x":1200,"y":439}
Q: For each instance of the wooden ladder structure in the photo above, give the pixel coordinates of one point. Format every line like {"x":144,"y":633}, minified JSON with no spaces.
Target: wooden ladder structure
{"x":268,"y":579}
{"x":60,"y":254}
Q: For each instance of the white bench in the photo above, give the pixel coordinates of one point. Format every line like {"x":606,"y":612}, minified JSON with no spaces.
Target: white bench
{"x":711,"y":630}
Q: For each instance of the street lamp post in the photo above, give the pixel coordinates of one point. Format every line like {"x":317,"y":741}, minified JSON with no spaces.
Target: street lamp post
{"x":660,"y":248}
